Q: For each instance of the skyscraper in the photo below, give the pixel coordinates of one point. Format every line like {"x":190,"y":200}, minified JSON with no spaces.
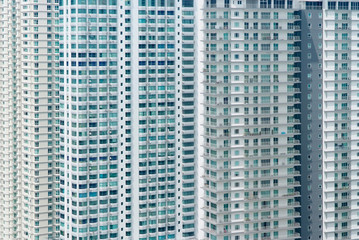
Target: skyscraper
{"x":311,"y":120}
{"x":340,"y":120}
{"x":252,"y":117}
{"x":272,"y":66}
{"x":28,"y":120}
{"x":100,"y":119}
{"x":127,"y":105}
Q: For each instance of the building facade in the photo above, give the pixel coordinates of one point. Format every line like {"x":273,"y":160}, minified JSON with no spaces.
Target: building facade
{"x":128,"y":119}
{"x":340,"y":117}
{"x":99,"y":119}
{"x":29,"y":120}
{"x":311,"y":120}
{"x":297,"y":62}
{"x":10,"y":119}
{"x":252,"y":120}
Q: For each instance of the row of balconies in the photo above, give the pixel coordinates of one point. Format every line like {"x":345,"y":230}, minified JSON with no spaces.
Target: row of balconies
{"x":274,"y":28}
{"x":266,"y":165}
{"x":342,"y":59}
{"x":262,"y":166}
{"x":255,"y":80}
{"x":288,"y":91}
{"x":256,"y":134}
{"x":272,"y":175}
{"x":274,"y":206}
{"x":286,"y":19}
{"x":340,"y":118}
{"x":271,"y":38}
{"x":265,"y":218}
{"x":274,"y":186}
{"x":264,"y":145}
{"x":342,"y":168}
{"x":341,"y":28}
{"x":276,"y":227}
{"x":341,"y":188}
{"x":294,"y":194}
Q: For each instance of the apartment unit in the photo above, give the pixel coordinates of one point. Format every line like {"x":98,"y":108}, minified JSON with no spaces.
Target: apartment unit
{"x":128,"y":119}
{"x":28,"y":120}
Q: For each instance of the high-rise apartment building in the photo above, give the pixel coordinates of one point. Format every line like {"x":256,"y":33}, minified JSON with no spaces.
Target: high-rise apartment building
{"x":329,"y":110}
{"x":252,"y":120}
{"x":340,"y":119}
{"x":10,"y":119}
{"x":128,"y":119}
{"x":99,"y":119}
{"x":28,"y":120}
{"x":278,"y":72}
{"x":311,"y":120}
